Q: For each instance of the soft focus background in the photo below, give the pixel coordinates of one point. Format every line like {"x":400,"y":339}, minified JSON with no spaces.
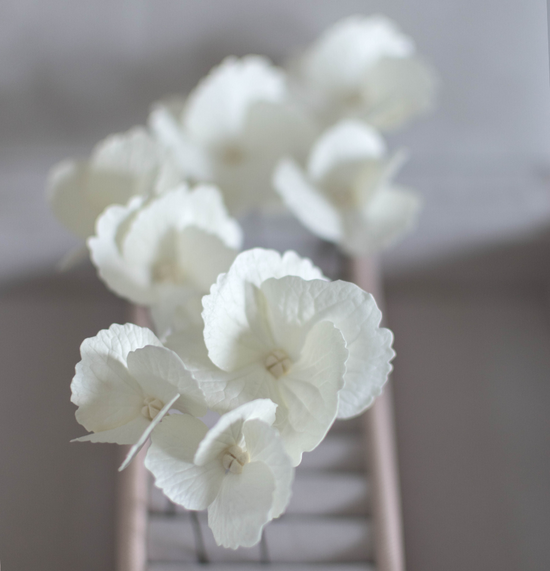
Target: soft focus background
{"x":467,"y":295}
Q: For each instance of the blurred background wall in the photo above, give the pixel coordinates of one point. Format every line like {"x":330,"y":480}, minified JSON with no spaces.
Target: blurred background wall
{"x":467,"y":294}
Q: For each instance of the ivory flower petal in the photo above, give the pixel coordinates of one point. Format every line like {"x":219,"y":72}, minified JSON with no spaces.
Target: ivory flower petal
{"x":167,"y":250}
{"x":170,"y":460}
{"x":398,"y":89}
{"x":242,"y":507}
{"x":126,"y":382}
{"x":354,"y":313}
{"x":240,"y":470}
{"x":364,"y":67}
{"x":121,"y":166}
{"x":345,"y":193}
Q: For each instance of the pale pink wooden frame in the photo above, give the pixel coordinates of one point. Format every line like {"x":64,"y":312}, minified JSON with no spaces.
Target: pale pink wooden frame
{"x":379,"y":428}
{"x":380,"y":432}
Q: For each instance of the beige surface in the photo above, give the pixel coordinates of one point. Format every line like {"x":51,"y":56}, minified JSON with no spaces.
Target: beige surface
{"x":472,"y":393}
{"x":56,"y":497}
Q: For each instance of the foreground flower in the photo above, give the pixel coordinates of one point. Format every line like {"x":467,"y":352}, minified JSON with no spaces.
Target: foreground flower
{"x":233,"y":128}
{"x":121,"y":166}
{"x":313,"y":347}
{"x":166,"y":251}
{"x":346,"y":195}
{"x":126,"y":383}
{"x":365,"y":67}
{"x":238,"y":470}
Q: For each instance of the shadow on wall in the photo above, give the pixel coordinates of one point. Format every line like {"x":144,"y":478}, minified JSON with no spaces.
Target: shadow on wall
{"x":57,"y":499}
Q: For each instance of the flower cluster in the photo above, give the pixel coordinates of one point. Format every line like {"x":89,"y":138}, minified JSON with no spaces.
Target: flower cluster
{"x":264,"y":340}
{"x":283,"y":353}
{"x":307,"y":135}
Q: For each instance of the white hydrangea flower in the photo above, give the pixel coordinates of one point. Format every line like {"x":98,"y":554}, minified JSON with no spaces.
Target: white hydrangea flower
{"x":167,"y":250}
{"x":273,"y":329}
{"x":121,"y":166}
{"x":233,"y":128}
{"x":346,"y":194}
{"x":126,"y":382}
{"x":364,"y":67}
{"x":238,"y":470}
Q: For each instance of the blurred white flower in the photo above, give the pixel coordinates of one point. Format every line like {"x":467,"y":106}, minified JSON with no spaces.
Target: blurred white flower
{"x":364,"y":67}
{"x":126,"y":382}
{"x":313,"y":347}
{"x":233,"y":128}
{"x":121,"y":166}
{"x":167,"y":250}
{"x":346,"y":194}
{"x":238,"y":470}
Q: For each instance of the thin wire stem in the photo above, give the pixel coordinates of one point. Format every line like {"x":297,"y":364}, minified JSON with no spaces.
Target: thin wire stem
{"x":200,"y":549}
{"x":264,"y":551}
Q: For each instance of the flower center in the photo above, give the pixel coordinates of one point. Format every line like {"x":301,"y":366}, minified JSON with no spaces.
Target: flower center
{"x":234,"y":459}
{"x":167,"y":272}
{"x":353,"y":99}
{"x":232,"y":155}
{"x":151,"y":407}
{"x":344,"y":197}
{"x":278,"y":363}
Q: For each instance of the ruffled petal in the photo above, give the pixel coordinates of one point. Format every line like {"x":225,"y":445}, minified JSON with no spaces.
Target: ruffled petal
{"x":310,"y":390}
{"x":217,"y":108}
{"x":121,"y":166}
{"x":127,"y":280}
{"x":354,"y":312}
{"x":398,"y":89}
{"x":68,"y":197}
{"x":170,"y":460}
{"x":391,"y":213}
{"x":165,"y":122}
{"x":102,"y":388}
{"x":349,"y":141}
{"x":264,"y":444}
{"x":337,"y":61}
{"x":306,"y":202}
{"x":243,"y":506}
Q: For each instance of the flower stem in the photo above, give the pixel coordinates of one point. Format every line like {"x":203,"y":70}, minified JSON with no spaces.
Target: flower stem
{"x":200,"y":549}
{"x":264,"y":552}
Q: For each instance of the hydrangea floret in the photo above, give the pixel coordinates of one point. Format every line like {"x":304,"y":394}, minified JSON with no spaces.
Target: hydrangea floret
{"x":238,"y":470}
{"x":273,"y":329}
{"x":366,"y":68}
{"x":120,"y":167}
{"x":166,"y":251}
{"x":233,"y":128}
{"x":345,"y":194}
{"x":126,"y":382}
